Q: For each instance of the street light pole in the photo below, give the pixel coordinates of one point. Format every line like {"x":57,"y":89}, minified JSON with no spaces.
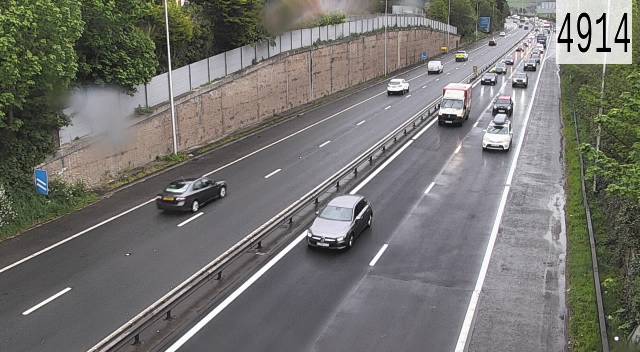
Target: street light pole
{"x":173,"y":110}
{"x":477,"y":17}
{"x":385,"y":36}
{"x":448,"y":25}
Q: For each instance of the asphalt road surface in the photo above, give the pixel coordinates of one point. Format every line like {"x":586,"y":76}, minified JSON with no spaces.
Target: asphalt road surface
{"x":119,"y":256}
{"x":408,"y":282}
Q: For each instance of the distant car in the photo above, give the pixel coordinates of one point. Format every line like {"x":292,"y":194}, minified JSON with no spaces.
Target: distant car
{"x":435,"y":67}
{"x":462,"y":55}
{"x":499,"y":134}
{"x":526,"y":28}
{"x":500,"y":68}
{"x":339,"y":223}
{"x":531,"y":65}
{"x":504,"y":105}
{"x":502,"y":34}
{"x":492,"y":42}
{"x":520,"y":79}
{"x":508,"y":60}
{"x":535,"y":57}
{"x":489,"y":79}
{"x":190,"y":194}
{"x":398,"y":86}
{"x":519,"y":48}
{"x":540,"y":47}
{"x":535,"y":51}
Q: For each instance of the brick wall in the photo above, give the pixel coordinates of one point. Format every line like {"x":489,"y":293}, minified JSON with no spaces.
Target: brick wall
{"x":242,"y":100}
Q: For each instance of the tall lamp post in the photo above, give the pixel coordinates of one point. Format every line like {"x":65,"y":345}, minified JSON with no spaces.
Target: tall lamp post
{"x":385,"y":36}
{"x":448,"y":25}
{"x":173,"y":109}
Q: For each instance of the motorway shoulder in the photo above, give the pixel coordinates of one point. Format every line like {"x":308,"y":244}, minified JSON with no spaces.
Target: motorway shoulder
{"x":522,"y":304}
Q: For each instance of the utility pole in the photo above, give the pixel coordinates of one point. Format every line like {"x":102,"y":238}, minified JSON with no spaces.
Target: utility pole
{"x":173,"y":109}
{"x":448,"y":25}
{"x":477,"y":17}
{"x":385,"y":36}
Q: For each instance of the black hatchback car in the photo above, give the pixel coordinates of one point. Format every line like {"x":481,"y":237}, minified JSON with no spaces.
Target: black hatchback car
{"x":504,"y":104}
{"x":190,"y":193}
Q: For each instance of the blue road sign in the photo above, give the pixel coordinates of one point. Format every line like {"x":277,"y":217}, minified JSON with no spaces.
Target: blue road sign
{"x":484,"y":24}
{"x":42,"y":182}
{"x":424,"y":56}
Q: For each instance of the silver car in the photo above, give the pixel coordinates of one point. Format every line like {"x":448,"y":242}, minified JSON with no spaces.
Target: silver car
{"x":340,"y":222}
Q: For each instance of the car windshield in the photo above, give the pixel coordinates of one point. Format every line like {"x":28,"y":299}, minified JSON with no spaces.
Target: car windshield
{"x":489,"y":76}
{"x":503,"y":101}
{"x":493,"y":129}
{"x":336,"y":213}
{"x":460,"y":52}
{"x":521,"y":76}
{"x":452,"y":104}
{"x":177,"y":187}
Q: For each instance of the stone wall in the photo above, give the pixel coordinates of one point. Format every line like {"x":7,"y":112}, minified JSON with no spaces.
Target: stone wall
{"x":242,"y":100}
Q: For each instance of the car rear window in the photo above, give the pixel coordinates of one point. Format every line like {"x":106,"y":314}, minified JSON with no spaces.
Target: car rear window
{"x":177,"y":187}
{"x":336,"y":213}
{"x":395,"y":81}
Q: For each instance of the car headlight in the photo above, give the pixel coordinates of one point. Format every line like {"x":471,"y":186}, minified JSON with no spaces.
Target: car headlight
{"x":309,"y":233}
{"x":340,"y":239}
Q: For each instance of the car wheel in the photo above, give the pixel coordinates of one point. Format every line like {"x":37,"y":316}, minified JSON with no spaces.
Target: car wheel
{"x":195,"y":206}
{"x":350,"y":241}
{"x":223,"y":192}
{"x":388,"y":94}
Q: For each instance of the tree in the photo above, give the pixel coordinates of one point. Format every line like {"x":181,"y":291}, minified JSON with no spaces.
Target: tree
{"x":37,"y":39}
{"x":235,"y":22}
{"x":462,"y":14}
{"x":113,"y":50}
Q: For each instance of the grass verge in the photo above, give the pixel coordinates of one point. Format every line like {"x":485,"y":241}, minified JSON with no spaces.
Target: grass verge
{"x":24,"y":209}
{"x":583,"y":334}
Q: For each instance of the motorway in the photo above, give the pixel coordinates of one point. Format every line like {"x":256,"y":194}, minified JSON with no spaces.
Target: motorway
{"x":123,"y":254}
{"x":436,"y":207}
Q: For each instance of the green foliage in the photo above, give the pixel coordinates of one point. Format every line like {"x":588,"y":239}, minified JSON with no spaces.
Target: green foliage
{"x":31,"y":209}
{"x":37,"y":39}
{"x":235,"y":22}
{"x":464,"y":15}
{"x":113,"y":49}
{"x":583,"y":319}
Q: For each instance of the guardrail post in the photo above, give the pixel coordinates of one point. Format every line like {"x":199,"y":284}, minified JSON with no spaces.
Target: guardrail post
{"x":168,"y":316}
{"x":370,"y":159}
{"x":337,"y":185}
{"x":259,"y":246}
{"x":219,"y":276}
{"x":384,"y":148}
{"x":355,"y":172}
{"x":395,"y":139}
{"x":290,"y":221}
{"x":316,"y":202}
{"x":404,"y":131}
{"x":136,"y":339}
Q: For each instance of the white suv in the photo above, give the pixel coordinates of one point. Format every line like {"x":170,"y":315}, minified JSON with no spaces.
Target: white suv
{"x":435,"y":67}
{"x":398,"y":86}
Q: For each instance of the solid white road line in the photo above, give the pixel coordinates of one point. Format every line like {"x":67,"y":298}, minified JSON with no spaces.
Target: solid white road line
{"x":361,"y":122}
{"x":377,"y":171}
{"x":227,"y":301}
{"x":41,"y":304}
{"x":457,"y":149}
{"x":388,"y":107}
{"x":430,"y":187}
{"x":74,"y":236}
{"x":190,"y":219}
{"x":424,"y":129}
{"x":272,"y":173}
{"x":323,"y":144}
{"x":378,"y":255}
{"x":475,"y":295}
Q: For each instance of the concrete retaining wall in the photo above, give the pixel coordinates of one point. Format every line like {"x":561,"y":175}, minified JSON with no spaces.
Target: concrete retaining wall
{"x":242,"y":100}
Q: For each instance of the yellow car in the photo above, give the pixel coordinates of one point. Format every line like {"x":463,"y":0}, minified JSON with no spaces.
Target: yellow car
{"x":462,"y":55}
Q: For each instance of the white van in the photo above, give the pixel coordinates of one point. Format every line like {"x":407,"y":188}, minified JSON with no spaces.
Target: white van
{"x":435,"y":67}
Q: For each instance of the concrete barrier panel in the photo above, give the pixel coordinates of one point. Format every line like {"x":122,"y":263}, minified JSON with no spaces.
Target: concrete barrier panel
{"x":217,"y":65}
{"x":199,"y":73}
{"x":285,"y":44}
{"x":296,"y":39}
{"x":262,"y":50}
{"x":315,"y":35}
{"x":180,"y":79}
{"x":306,"y":37}
{"x":274,"y":47}
{"x":331,"y":32}
{"x":157,"y":90}
{"x":248,"y":55}
{"x":234,"y":60}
